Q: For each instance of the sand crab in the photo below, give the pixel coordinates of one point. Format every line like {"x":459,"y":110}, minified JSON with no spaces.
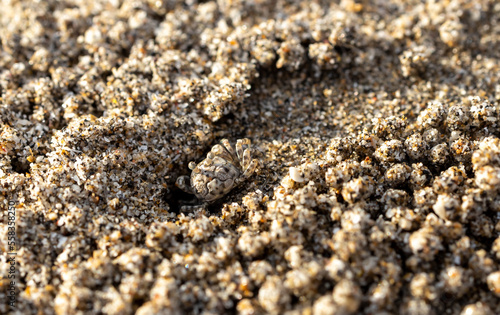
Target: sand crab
{"x":222,"y":170}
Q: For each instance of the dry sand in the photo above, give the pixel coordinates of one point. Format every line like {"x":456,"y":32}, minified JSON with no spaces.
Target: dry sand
{"x":376,"y":127}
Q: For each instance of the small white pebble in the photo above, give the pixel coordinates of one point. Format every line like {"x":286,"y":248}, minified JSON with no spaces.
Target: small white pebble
{"x":493,"y":281}
{"x":297,"y":175}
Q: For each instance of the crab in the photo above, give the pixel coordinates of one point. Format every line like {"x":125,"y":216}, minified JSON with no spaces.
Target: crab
{"x":222,"y":170}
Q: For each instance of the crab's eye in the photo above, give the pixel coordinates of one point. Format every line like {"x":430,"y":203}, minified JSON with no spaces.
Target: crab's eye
{"x":217,"y":149}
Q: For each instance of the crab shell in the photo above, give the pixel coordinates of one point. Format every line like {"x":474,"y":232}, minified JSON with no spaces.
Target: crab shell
{"x":223,"y":169}
{"x":214,"y":178}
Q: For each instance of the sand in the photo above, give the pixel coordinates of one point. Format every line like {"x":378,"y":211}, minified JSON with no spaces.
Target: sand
{"x":375,"y":126}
